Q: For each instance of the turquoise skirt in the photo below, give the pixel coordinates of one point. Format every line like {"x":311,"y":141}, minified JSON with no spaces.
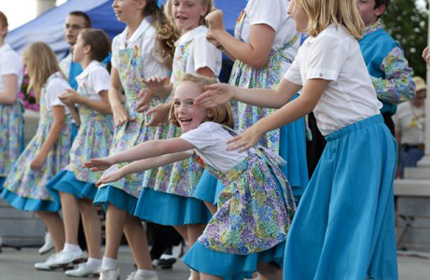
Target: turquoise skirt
{"x":66,"y":182}
{"x":344,"y":225}
{"x":169,"y":209}
{"x":229,"y":266}
{"x":120,"y":199}
{"x":29,"y":204}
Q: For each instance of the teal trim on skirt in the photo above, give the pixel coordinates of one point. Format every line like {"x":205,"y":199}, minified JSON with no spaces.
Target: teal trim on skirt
{"x":344,"y":225}
{"x":169,"y":209}
{"x":66,"y":182}
{"x":119,"y":198}
{"x":29,"y":204}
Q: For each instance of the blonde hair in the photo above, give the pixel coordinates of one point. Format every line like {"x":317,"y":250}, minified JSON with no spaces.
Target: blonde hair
{"x":322,"y":13}
{"x":167,"y":33}
{"x":41,"y":63}
{"x":209,"y":4}
{"x":221,"y":114}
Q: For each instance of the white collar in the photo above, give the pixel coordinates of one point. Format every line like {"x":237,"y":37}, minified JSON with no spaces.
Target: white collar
{"x":93,"y":64}
{"x":146,"y":22}
{"x":192,"y":34}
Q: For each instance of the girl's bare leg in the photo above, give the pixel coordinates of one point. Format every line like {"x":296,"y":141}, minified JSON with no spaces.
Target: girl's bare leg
{"x":115,"y":221}
{"x":55,"y":226}
{"x":136,"y":237}
{"x":269,"y":271}
{"x":212,"y":207}
{"x":204,"y":276}
{"x":92,"y":228}
{"x":70,"y":208}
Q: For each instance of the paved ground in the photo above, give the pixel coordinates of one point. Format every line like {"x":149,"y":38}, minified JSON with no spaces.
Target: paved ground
{"x":18,"y":265}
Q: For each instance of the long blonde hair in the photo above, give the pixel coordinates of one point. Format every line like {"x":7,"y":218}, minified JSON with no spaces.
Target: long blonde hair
{"x":322,"y":13}
{"x":41,"y":63}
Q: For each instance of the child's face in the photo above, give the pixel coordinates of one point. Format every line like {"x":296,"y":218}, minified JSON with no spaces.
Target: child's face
{"x":128,"y":9}
{"x":187,"y":13}
{"x":367,"y":11}
{"x":79,"y":49}
{"x":300,"y":18}
{"x":188,"y":116}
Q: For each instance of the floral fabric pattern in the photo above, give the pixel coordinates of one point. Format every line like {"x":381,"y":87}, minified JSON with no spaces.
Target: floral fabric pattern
{"x":179,"y":178}
{"x":131,"y":133}
{"x":268,"y":76}
{"x":11,"y":130}
{"x":93,"y":140}
{"x":252,"y":215}
{"x":28,"y":183}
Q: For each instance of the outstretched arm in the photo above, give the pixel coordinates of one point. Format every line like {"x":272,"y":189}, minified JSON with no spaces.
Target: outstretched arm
{"x":218,"y":94}
{"x":148,"y":149}
{"x":297,"y":108}
{"x":142,"y":165}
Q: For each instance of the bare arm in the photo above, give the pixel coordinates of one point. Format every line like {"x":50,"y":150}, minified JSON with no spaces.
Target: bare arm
{"x":101,"y":106}
{"x":74,"y":113}
{"x":142,"y":165}
{"x":290,"y":112}
{"x":254,"y":53}
{"x":10,"y":93}
{"x":120,"y":115}
{"x":218,"y":94}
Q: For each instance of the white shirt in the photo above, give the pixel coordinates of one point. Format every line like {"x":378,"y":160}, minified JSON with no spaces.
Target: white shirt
{"x":152,"y":62}
{"x":95,"y":78}
{"x":10,"y":64}
{"x":210,"y":141}
{"x":410,"y":122}
{"x":274,"y":14}
{"x":65,"y":64}
{"x":335,"y":55}
{"x":202,"y":53}
{"x":55,"y":86}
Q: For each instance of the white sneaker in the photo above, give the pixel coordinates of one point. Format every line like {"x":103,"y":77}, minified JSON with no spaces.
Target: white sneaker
{"x":109,"y":274}
{"x":64,"y":258}
{"x":46,"y":265}
{"x":48,"y":246}
{"x":134,"y":276}
{"x":84,"y":270}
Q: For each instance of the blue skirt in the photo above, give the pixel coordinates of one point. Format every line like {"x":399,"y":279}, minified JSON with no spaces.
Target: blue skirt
{"x":171,"y":210}
{"x":66,"y":182}
{"x":344,"y":225}
{"x":29,"y":204}
{"x":208,"y":188}
{"x":229,"y":266}
{"x":2,"y":180}
{"x":119,"y":198}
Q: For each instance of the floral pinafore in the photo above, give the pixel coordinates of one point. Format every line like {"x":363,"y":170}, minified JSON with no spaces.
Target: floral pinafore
{"x":134,"y":132}
{"x":93,"y":140}
{"x":179,"y":178}
{"x":11,"y":133}
{"x":28,"y":183}
{"x":268,"y":76}
{"x":253,"y":216}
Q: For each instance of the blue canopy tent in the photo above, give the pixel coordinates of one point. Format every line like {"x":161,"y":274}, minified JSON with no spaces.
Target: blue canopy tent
{"x":48,"y":27}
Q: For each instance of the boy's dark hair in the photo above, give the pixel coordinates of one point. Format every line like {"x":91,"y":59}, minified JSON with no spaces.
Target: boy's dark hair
{"x":84,"y":15}
{"x":378,"y":3}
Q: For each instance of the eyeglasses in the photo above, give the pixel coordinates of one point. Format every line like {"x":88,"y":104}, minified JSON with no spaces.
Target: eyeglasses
{"x":72,"y":26}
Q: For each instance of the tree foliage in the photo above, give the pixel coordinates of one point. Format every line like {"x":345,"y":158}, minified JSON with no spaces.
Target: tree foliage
{"x":408,"y":24}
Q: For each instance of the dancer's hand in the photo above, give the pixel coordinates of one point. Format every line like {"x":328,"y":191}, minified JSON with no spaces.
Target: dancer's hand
{"x":215,"y":20}
{"x":99,"y":164}
{"x":69,"y":97}
{"x":246,"y":140}
{"x":111,"y":177}
{"x":426,"y":55}
{"x":214,"y":95}
{"x":159,"y":115}
{"x":120,"y":116}
{"x":145,"y":97}
{"x":38,"y":161}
